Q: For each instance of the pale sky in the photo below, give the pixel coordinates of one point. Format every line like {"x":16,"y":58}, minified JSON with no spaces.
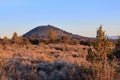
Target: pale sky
{"x":81,"y":17}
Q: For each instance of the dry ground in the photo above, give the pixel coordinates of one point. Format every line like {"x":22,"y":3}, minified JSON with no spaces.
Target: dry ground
{"x":43,"y":62}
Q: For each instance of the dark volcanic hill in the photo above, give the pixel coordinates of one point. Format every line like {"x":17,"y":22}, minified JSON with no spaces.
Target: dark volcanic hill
{"x":43,"y":31}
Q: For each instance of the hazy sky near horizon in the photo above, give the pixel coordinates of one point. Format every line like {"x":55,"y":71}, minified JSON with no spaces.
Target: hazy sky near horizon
{"x":81,"y":17}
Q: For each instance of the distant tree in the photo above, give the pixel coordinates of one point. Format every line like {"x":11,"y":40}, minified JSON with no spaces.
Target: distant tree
{"x":5,"y":40}
{"x":15,"y":36}
{"x":74,"y":42}
{"x":16,"y":39}
{"x":66,"y":39}
{"x":52,"y":35}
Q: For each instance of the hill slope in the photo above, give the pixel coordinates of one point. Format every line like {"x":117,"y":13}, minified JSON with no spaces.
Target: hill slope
{"x":43,"y":31}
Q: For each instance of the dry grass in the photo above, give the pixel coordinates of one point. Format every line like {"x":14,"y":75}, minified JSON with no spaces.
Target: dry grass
{"x":44,"y":62}
{"x":45,"y":52}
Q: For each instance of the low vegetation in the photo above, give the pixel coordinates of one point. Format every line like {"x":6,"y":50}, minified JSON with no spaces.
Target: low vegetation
{"x":59,"y":58}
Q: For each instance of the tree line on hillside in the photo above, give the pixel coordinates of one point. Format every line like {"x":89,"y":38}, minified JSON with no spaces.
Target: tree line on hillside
{"x":52,"y":38}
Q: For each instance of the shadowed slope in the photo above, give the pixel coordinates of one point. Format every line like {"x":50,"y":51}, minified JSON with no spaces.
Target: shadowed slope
{"x":43,"y":31}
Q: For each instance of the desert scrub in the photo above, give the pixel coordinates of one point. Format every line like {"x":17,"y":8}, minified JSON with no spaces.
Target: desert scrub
{"x":57,"y":70}
{"x":2,"y":66}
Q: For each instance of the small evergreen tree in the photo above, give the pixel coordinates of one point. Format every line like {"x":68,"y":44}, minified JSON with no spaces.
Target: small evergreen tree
{"x":102,"y":68}
{"x":74,"y":42}
{"x":66,"y":39}
{"x":5,"y":41}
{"x":16,"y":38}
{"x":52,"y":35}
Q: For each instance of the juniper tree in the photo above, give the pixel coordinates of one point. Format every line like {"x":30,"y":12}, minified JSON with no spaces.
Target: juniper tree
{"x":102,"y":68}
{"x":16,"y":39}
{"x":15,"y":36}
{"x":52,"y":35}
{"x":66,"y":39}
